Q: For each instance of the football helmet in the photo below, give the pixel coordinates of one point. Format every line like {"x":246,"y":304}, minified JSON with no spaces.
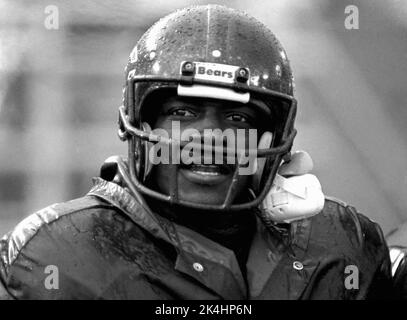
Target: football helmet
{"x":216,"y":52}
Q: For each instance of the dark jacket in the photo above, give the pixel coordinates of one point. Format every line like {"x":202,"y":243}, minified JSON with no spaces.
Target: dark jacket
{"x":398,"y":256}
{"x":109,"y":245}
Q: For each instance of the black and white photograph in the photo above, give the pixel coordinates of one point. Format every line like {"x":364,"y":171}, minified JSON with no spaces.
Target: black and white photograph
{"x":214,"y":151}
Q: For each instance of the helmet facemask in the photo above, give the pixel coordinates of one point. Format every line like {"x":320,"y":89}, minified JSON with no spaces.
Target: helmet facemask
{"x":140,"y":140}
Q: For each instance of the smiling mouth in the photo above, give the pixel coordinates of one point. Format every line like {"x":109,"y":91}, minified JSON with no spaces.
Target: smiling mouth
{"x":209,"y":169}
{"x":208,"y":174}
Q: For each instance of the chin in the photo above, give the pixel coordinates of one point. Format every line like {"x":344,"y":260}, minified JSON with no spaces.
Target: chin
{"x":198,"y":187}
{"x":202,"y":196}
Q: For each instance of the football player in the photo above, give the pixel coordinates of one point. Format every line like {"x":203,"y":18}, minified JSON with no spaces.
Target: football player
{"x":209,"y":203}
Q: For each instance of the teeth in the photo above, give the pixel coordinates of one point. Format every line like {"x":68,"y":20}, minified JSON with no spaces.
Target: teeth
{"x":206,"y":173}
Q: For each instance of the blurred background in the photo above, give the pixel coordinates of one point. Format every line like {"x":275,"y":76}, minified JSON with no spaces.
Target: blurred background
{"x":60,"y":89}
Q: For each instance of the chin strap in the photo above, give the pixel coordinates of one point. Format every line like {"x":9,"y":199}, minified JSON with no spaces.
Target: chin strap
{"x":295,"y":193}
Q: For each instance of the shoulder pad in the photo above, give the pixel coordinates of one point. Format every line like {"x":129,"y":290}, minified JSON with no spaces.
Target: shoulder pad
{"x":367,"y":230}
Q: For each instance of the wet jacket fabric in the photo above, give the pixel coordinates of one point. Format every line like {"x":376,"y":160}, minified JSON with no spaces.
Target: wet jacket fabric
{"x":398,"y":256}
{"x":109,"y":245}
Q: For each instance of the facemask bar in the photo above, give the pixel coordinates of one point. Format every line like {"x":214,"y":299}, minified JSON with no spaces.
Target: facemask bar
{"x":153,"y":138}
{"x":135,"y":135}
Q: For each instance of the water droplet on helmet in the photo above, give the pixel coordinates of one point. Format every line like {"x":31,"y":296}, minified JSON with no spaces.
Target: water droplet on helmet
{"x":216,"y":53}
{"x":278,"y":70}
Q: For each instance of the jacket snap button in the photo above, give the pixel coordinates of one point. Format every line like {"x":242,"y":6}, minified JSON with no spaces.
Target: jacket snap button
{"x":298,"y":265}
{"x":198,"y":267}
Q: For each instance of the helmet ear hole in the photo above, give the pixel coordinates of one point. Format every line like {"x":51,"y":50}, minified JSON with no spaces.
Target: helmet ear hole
{"x":108,"y":170}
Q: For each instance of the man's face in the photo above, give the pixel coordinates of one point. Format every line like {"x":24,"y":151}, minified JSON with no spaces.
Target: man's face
{"x":203,"y":183}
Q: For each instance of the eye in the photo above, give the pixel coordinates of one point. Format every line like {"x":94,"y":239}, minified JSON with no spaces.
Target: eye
{"x":181,"y":112}
{"x":237,"y":117}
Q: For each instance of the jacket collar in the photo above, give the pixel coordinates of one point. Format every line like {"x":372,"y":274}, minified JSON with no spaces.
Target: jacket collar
{"x":121,"y":198}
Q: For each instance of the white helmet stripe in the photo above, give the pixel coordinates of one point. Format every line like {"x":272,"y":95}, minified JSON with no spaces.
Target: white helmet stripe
{"x":212,"y":92}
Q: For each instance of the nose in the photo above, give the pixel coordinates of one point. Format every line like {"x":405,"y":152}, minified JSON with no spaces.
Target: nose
{"x":210,"y":119}
{"x":211,"y":128}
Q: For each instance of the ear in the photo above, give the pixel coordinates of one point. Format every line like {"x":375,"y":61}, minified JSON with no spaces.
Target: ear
{"x":264,"y":143}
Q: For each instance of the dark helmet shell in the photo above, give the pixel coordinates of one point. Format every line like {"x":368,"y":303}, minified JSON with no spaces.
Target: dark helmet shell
{"x":217,"y":34}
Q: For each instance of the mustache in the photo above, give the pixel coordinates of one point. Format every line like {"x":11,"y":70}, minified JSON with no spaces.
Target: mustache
{"x":208,"y":156}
